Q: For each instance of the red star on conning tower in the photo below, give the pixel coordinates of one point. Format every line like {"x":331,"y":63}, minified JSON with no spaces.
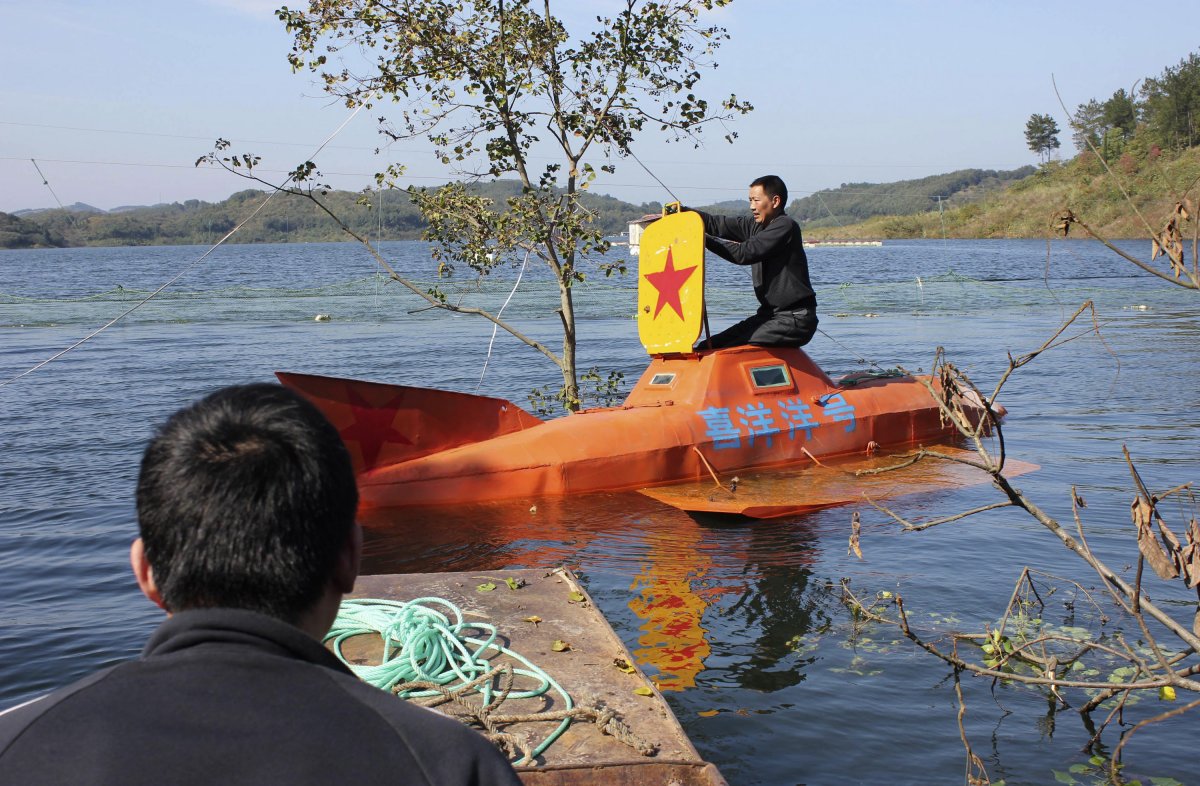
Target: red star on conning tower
{"x":668,"y":282}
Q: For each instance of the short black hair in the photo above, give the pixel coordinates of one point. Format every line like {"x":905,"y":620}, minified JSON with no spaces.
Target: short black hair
{"x":245,"y":500}
{"x":773,"y":185}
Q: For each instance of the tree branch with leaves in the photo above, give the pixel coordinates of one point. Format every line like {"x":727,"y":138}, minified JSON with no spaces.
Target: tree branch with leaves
{"x":485,"y":81}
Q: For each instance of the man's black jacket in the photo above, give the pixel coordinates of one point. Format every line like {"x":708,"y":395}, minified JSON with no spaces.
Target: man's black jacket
{"x":234,"y":697}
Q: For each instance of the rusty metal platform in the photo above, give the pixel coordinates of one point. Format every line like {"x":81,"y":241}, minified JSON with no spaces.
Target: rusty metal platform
{"x":589,"y":670}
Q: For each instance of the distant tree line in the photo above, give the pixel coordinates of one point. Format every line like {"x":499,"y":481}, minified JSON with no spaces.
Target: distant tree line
{"x":1163,"y":112}
{"x":854,"y":202}
{"x":388,"y":214}
{"x":17,"y":232}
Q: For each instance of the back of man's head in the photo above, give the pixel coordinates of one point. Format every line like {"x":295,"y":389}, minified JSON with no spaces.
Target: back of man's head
{"x":773,"y":185}
{"x":245,"y":500}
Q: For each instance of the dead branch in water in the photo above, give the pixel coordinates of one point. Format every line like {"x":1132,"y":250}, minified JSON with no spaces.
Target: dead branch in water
{"x":1073,"y":667}
{"x":1168,"y":242}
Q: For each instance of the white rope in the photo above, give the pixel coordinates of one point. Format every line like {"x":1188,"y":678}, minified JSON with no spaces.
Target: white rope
{"x":496,"y":326}
{"x":186,"y":268}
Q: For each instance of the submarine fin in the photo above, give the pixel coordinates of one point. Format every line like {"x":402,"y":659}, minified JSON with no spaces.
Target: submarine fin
{"x":385,"y":424}
{"x":788,"y":491}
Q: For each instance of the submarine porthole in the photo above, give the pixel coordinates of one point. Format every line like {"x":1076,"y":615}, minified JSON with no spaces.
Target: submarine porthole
{"x":770,"y":376}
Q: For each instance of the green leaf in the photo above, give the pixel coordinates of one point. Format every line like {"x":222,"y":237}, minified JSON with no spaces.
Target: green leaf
{"x":486,"y":586}
{"x":1063,"y":777}
{"x":643,"y":691}
{"x":1120,"y":675}
{"x":514,"y":584}
{"x":576,"y":597}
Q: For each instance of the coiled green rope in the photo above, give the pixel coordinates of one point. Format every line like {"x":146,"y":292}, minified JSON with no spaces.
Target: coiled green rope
{"x":424,"y":645}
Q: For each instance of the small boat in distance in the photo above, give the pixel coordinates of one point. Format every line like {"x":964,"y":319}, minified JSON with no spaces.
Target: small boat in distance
{"x":835,"y":243}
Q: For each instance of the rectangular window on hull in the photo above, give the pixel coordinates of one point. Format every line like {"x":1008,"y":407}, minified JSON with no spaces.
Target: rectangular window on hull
{"x":662,"y":379}
{"x":770,"y":376}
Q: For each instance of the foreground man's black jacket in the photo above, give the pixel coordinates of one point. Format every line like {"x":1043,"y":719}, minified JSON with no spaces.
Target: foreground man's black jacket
{"x":234,"y":697}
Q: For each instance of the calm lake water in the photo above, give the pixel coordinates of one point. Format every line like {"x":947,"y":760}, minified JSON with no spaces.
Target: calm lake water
{"x":773,"y":681}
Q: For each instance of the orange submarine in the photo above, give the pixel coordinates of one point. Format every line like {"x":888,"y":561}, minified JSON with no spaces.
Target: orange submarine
{"x":767,"y":414}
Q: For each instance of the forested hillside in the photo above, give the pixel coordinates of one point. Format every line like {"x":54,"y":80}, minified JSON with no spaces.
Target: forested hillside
{"x":1029,"y":208}
{"x":1143,"y":144}
{"x":390,"y":215}
{"x":387,"y":215}
{"x":18,"y":233}
{"x":854,"y":202}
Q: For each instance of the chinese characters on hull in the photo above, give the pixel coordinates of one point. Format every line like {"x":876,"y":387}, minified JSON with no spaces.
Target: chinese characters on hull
{"x":758,"y":423}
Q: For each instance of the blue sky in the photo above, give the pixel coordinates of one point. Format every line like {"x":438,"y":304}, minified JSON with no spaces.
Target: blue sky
{"x":116,"y":100}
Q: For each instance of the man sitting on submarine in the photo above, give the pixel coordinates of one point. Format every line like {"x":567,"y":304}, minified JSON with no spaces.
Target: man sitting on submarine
{"x":246,"y":509}
{"x":769,"y":242}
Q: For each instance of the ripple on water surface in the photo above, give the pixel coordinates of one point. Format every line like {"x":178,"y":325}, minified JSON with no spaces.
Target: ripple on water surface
{"x":741,"y":624}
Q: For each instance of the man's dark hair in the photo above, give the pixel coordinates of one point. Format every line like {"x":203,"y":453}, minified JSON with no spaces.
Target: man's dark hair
{"x":245,"y":500}
{"x":772,"y":185}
